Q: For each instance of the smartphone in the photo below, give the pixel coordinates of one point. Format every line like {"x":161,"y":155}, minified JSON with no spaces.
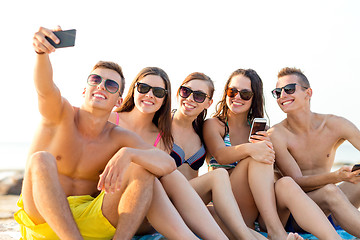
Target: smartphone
{"x":67,"y":38}
{"x":355,"y":167}
{"x":258,"y":124}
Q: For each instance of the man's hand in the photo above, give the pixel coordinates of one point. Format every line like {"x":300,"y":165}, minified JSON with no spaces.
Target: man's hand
{"x":345,"y":174}
{"x":111,"y":178}
{"x":41,"y":45}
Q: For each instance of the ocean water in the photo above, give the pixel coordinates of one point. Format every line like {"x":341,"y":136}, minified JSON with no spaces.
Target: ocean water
{"x":13,"y":155}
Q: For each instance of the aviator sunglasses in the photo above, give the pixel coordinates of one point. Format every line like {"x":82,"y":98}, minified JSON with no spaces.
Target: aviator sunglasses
{"x":245,"y":94}
{"x":289,"y":89}
{"x":198,"y":96}
{"x":110,"y":85}
{"x":143,"y":88}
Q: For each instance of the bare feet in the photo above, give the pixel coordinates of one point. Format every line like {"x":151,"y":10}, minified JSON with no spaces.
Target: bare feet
{"x":294,"y":236}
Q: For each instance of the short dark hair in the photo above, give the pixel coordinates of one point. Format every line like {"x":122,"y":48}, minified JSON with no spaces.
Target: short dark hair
{"x":113,"y":66}
{"x":297,"y":72}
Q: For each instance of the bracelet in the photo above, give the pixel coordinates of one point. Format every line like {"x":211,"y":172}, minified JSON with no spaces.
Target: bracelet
{"x":39,"y":53}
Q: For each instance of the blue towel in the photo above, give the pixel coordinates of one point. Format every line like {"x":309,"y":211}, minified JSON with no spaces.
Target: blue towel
{"x":342,"y":234}
{"x":158,"y":236}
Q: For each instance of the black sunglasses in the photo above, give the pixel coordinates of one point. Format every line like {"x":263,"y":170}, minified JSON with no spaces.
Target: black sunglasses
{"x":289,"y":89}
{"x":143,"y":88}
{"x":245,"y":94}
{"x":110,"y":85}
{"x":198,"y":96}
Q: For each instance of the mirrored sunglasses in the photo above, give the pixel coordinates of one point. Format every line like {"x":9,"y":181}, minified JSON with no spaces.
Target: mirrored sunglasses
{"x":110,"y":85}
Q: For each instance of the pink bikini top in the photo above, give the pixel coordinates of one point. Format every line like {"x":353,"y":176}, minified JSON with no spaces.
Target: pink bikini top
{"x":158,"y":138}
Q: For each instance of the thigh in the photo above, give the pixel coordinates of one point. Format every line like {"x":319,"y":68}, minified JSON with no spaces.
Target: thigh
{"x":205,"y":183}
{"x":352,"y":192}
{"x":239,"y":179}
{"x":111,"y":201}
{"x":38,"y":164}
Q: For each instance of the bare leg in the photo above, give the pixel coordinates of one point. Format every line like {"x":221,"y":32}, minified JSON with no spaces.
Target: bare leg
{"x":352,"y":192}
{"x":44,"y":199}
{"x":259,"y":179}
{"x":215,"y":185}
{"x":190,"y":206}
{"x":305,"y":211}
{"x":165,"y":218}
{"x":127,"y":208}
{"x":332,"y":200}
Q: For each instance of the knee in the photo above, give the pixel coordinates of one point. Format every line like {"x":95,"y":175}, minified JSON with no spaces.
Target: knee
{"x":139,"y":173}
{"x":42,"y":161}
{"x":332,"y":193}
{"x":286,"y":185}
{"x":220,"y":175}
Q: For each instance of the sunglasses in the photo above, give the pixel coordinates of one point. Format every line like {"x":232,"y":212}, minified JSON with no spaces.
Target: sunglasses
{"x":143,"y":88}
{"x":198,"y":96}
{"x":110,"y":85}
{"x":245,"y":94}
{"x":289,"y":89}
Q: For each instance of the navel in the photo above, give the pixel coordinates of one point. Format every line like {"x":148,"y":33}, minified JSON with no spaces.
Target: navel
{"x":58,"y":158}
{"x":328,"y":155}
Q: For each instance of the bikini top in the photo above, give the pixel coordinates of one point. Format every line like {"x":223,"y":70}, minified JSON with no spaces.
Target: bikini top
{"x":158,"y":138}
{"x":195,"y":161}
{"x":213,"y":162}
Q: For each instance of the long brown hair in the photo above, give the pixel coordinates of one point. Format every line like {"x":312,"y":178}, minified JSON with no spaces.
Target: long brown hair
{"x":162,"y":117}
{"x":258,"y":101}
{"x":199,"y":121}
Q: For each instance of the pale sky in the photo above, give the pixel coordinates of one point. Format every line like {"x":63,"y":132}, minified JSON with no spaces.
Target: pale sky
{"x":215,"y":37}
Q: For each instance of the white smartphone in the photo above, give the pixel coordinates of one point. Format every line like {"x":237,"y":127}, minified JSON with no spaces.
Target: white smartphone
{"x":258,"y":124}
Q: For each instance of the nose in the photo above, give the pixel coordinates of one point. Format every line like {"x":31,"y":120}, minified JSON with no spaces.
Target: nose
{"x":191,"y":97}
{"x":150,"y":93}
{"x":101,"y":86}
{"x":282,"y":93}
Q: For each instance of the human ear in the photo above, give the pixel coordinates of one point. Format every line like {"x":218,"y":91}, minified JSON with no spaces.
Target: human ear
{"x":119,"y":102}
{"x":209,"y":103}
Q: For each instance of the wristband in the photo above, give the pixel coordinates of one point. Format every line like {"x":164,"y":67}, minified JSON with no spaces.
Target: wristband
{"x":39,"y":53}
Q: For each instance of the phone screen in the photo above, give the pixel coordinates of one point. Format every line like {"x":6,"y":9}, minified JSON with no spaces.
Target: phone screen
{"x":259,"y":124}
{"x":67,"y":38}
{"x":355,"y":167}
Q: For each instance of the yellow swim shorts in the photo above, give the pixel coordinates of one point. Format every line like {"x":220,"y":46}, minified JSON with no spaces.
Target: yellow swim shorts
{"x":87,"y":214}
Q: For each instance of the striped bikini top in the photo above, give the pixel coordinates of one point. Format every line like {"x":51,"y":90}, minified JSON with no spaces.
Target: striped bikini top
{"x":213,"y":162}
{"x":195,"y":161}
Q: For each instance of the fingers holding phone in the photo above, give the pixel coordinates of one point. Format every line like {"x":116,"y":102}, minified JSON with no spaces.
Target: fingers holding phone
{"x":41,"y":44}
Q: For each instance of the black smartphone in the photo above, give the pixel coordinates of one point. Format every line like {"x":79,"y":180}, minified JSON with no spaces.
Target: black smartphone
{"x":258,"y":124}
{"x":355,"y":167}
{"x":67,"y":38}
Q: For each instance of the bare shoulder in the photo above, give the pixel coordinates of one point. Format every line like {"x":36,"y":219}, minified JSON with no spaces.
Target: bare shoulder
{"x":126,"y":138}
{"x":278,"y":130}
{"x":339,"y":125}
{"x":213,"y":124}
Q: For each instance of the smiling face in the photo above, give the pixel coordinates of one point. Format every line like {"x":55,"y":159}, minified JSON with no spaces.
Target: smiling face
{"x":299,"y":99}
{"x":237,"y":104}
{"x":97,"y":96}
{"x":188,"y":106}
{"x":147,"y":102}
